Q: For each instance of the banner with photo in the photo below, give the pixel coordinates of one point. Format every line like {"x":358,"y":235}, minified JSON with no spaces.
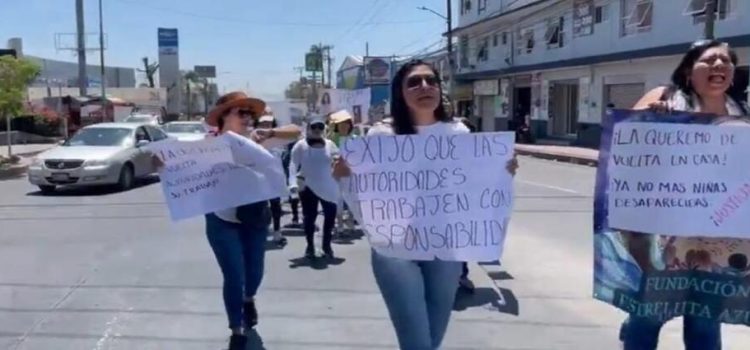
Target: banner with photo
{"x":671,"y":216}
{"x":357,"y":102}
{"x":377,"y":70}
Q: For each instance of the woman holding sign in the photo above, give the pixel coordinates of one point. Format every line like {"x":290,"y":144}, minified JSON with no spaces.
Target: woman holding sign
{"x":419,"y":295}
{"x":701,"y":83}
{"x":237,"y":236}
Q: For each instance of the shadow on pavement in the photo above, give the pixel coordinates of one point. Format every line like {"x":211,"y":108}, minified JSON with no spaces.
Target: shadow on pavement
{"x":318,"y":263}
{"x":293,"y":232}
{"x":349,"y":237}
{"x":487,"y":298}
{"x":94,"y":190}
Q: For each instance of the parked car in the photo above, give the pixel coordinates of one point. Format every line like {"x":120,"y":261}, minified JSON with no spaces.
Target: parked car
{"x":150,"y":119}
{"x":186,"y":131}
{"x":99,"y":154}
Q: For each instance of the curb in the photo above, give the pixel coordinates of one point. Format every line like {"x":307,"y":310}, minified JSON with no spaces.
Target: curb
{"x":560,"y":157}
{"x":13,"y":171}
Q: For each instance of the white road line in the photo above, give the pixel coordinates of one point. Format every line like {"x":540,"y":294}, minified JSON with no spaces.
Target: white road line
{"x":563,"y":189}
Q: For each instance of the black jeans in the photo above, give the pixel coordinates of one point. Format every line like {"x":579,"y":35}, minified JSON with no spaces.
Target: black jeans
{"x":294,"y":202}
{"x":276,"y":213}
{"x":310,"y":213}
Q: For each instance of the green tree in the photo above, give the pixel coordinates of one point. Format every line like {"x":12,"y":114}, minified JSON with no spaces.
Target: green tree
{"x":295,"y":91}
{"x":15,"y":76}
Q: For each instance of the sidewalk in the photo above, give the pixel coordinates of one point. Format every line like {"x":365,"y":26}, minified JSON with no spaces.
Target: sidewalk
{"x":26,"y":153}
{"x":576,"y":155}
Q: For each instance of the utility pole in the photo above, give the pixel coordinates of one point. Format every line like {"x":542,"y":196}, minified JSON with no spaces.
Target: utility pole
{"x":367,"y":48}
{"x":708,"y":30}
{"x":82,"y":79}
{"x":451,"y":61}
{"x":329,"y":61}
{"x":101,"y":62}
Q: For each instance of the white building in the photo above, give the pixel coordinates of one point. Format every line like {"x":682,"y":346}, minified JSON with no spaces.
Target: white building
{"x":563,"y":61}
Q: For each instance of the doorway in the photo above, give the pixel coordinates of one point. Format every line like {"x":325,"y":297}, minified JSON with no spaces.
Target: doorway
{"x":521,"y":107}
{"x":563,"y":110}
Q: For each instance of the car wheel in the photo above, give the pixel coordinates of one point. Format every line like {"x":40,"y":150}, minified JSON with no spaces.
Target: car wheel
{"x":47,"y":189}
{"x":127,"y":178}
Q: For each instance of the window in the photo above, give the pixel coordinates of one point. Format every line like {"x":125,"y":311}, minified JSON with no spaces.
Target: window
{"x":525,"y":41}
{"x":638,"y":16}
{"x":481,"y":6}
{"x":463,"y":49}
{"x":495,"y":40}
{"x":554,"y":35}
{"x":156,"y":134}
{"x":466,"y":7}
{"x":505,"y":38}
{"x":483,"y":51}
{"x":698,"y":8}
{"x":141,"y":135}
{"x":601,"y":14}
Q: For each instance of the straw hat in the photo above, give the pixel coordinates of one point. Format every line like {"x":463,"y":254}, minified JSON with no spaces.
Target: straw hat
{"x":340,"y":116}
{"x":236,"y":99}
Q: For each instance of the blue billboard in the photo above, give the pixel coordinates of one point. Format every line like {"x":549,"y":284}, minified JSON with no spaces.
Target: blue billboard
{"x":168,"y":40}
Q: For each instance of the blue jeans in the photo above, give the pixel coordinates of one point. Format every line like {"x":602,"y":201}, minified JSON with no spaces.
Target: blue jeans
{"x":419,"y":296}
{"x":240,"y":252}
{"x":697,"y":333}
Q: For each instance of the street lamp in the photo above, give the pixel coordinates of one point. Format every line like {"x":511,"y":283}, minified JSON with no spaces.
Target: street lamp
{"x":423,"y":8}
{"x":449,"y":46}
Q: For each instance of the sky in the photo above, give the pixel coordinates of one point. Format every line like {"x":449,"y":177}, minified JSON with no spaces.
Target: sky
{"x":254,"y":44}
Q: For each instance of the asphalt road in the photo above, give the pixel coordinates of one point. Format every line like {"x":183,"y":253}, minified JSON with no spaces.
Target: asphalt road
{"x":100,"y":270}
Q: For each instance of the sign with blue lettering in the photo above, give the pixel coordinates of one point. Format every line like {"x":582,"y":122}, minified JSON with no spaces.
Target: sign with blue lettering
{"x":671,"y":209}
{"x":168,"y":40}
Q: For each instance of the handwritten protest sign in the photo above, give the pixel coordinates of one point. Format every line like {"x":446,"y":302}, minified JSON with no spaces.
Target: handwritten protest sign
{"x":667,"y":187}
{"x":217,"y":173}
{"x":684,"y":179}
{"x":422,"y":197}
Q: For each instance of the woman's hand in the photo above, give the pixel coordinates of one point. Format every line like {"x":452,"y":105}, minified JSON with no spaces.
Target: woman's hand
{"x":660,"y":107}
{"x":260,"y":135}
{"x":512,"y":165}
{"x":340,"y":168}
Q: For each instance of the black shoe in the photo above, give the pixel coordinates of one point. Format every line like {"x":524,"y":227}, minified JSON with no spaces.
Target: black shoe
{"x":310,"y":252}
{"x":328,"y":253}
{"x":237,"y":342}
{"x":466,"y":285}
{"x":251,"y":314}
{"x":281,"y":242}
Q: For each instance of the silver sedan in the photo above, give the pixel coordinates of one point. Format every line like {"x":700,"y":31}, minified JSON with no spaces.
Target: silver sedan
{"x":99,"y":154}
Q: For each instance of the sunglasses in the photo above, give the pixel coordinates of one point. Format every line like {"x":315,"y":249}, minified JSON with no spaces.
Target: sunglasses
{"x":416,"y":81}
{"x":244,"y":113}
{"x":318,"y":127}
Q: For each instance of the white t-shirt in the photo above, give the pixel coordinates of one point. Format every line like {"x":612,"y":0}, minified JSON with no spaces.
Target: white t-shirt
{"x":315,"y":164}
{"x":438,"y":128}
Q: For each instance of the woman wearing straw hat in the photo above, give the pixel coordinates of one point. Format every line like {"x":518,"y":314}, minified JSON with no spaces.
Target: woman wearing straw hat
{"x":238,"y":235}
{"x":342,"y":130}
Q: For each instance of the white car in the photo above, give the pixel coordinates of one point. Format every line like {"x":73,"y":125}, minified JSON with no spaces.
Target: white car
{"x":98,"y":154}
{"x":186,"y":131}
{"x":150,"y":119}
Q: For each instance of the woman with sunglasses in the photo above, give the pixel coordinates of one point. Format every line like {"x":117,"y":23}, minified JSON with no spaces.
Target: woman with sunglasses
{"x":238,"y":235}
{"x":419,"y":295}
{"x":702,"y":82}
{"x":313,"y":156}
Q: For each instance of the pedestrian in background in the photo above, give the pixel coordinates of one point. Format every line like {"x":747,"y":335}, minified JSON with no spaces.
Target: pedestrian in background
{"x":268,"y":122}
{"x":314,"y":156}
{"x":238,"y":235}
{"x":700,"y":83}
{"x":342,"y":131}
{"x":464,"y":283}
{"x":419,"y":295}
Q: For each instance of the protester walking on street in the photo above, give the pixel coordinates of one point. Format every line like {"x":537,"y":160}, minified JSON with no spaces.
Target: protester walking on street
{"x":293,"y":197}
{"x":419,"y":295}
{"x":343,"y":130}
{"x":314,"y":157}
{"x":268,"y":122}
{"x":238,"y":235}
{"x":702,"y":83}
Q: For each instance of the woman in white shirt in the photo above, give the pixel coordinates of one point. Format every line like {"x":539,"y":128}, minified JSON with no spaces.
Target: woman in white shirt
{"x":268,"y":122}
{"x":419,"y":295}
{"x":313,"y":156}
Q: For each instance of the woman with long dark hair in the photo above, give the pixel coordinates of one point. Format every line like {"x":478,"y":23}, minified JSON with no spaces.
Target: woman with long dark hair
{"x":702,"y":82}
{"x":419,"y":295}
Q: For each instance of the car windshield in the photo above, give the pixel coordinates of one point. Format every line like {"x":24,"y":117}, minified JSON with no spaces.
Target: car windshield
{"x":100,"y":137}
{"x":139,"y":119}
{"x":185,"y":128}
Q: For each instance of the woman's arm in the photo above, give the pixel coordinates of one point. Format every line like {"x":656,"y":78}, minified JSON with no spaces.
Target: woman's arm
{"x":295,"y":157}
{"x":287,"y":132}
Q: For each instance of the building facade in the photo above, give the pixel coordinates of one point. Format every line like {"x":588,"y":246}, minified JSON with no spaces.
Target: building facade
{"x":557,"y":64}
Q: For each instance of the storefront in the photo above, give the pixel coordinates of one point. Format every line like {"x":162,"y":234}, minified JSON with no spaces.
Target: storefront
{"x":486,"y":94}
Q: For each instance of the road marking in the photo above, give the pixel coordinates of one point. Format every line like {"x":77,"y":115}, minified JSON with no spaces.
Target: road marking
{"x":563,"y":189}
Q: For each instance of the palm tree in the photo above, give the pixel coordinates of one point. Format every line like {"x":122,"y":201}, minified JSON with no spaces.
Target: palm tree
{"x":190,"y":78}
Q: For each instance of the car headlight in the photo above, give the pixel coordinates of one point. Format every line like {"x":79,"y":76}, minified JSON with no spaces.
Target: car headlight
{"x":96,"y":163}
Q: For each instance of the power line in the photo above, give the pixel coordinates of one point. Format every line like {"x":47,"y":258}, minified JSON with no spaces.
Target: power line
{"x":357,"y":22}
{"x":262,"y":22}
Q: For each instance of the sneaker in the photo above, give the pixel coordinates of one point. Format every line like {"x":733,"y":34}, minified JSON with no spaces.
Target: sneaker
{"x":310,"y":252}
{"x":237,"y":342}
{"x":328,"y":253}
{"x":251,"y":314}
